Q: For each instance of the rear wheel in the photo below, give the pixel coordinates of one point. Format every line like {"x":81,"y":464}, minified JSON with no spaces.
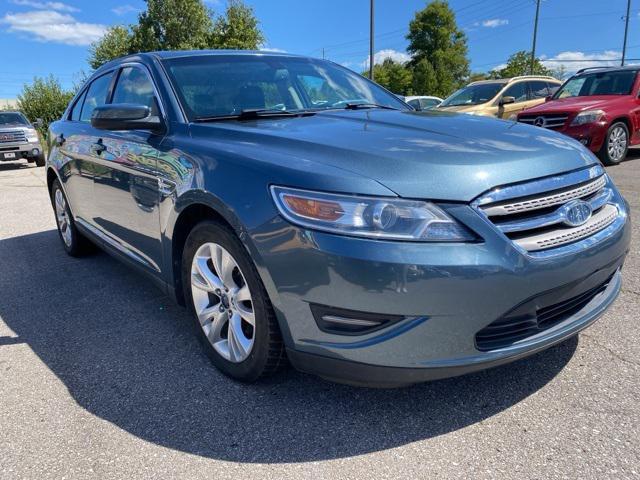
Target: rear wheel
{"x":614,"y":149}
{"x":233,"y":316}
{"x":74,"y":243}
{"x":40,"y":161}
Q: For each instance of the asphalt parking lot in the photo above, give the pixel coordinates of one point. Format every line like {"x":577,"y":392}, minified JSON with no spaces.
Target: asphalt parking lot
{"x":101,"y":377}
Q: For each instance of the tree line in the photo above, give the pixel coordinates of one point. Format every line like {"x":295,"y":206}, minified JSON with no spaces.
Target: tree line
{"x":439,"y":62}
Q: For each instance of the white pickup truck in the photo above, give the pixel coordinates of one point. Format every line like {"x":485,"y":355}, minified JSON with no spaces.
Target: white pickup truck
{"x":19,"y":139}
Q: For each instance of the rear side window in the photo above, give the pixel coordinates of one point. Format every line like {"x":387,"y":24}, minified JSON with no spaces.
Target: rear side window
{"x":77,"y":108}
{"x":415,"y":103}
{"x":428,"y":102}
{"x":96,"y":96}
{"x":539,"y":89}
{"x":517,"y":91}
{"x":134,"y":86}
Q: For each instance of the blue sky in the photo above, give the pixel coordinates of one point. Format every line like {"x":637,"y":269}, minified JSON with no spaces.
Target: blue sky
{"x":38,"y":37}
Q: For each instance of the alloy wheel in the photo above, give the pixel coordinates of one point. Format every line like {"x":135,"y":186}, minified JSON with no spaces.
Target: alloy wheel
{"x":223,"y":302}
{"x":617,"y":143}
{"x":62,"y":217}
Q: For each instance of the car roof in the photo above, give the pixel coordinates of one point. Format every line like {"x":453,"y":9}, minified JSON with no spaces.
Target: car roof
{"x":513,"y":79}
{"x":585,"y":71}
{"x":201,"y":53}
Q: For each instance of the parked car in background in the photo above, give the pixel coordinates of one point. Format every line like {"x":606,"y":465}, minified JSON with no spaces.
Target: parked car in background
{"x":301,"y":211}
{"x":599,"y":107}
{"x":502,"y":98}
{"x":19,"y":139}
{"x":423,"y":102}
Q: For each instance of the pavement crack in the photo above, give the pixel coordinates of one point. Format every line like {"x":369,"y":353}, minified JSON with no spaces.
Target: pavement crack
{"x":613,"y":353}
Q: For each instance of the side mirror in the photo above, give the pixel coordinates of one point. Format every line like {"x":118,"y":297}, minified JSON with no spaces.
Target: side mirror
{"x":125,"y":116}
{"x":547,"y":98}
{"x":507,"y":100}
{"x":38,"y":123}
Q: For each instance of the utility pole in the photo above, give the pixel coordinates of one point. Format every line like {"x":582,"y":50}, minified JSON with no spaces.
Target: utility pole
{"x":371,"y":60}
{"x":535,"y":35}
{"x":626,"y":30}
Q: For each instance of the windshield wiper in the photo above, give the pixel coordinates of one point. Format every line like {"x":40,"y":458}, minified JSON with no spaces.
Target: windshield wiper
{"x":253,"y":113}
{"x":356,"y":106}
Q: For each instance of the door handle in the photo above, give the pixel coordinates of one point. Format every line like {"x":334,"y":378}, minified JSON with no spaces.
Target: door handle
{"x":98,"y":147}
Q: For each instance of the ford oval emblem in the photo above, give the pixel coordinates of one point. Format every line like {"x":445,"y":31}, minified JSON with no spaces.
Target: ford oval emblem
{"x":576,"y":213}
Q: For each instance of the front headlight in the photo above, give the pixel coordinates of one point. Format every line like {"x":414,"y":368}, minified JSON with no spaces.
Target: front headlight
{"x":32,"y":136}
{"x":373,"y":217}
{"x":589,"y":116}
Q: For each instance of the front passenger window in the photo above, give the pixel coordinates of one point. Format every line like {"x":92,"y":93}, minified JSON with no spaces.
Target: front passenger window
{"x":96,"y":96}
{"x":134,"y":86}
{"x":517,"y":91}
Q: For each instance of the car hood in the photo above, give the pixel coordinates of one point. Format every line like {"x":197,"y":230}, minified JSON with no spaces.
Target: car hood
{"x":430,"y":155}
{"x":576,"y":104}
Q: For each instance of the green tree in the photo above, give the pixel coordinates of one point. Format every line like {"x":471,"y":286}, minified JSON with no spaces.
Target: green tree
{"x":180,"y":25}
{"x":115,"y":43}
{"x":520,"y":64}
{"x":45,"y":99}
{"x":394,"y":76}
{"x":238,"y":29}
{"x":439,"y":50}
{"x":172,"y":25}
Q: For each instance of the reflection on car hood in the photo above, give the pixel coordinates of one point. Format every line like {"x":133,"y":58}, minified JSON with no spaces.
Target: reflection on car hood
{"x":432,"y":155}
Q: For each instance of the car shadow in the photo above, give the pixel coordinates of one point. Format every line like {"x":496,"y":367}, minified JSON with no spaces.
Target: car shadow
{"x":128,"y":355}
{"x":17,"y":165}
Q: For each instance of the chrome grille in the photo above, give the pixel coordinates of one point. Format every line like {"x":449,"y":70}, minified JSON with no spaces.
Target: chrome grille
{"x":550,"y":120}
{"x":546,"y":218}
{"x":12,"y":137}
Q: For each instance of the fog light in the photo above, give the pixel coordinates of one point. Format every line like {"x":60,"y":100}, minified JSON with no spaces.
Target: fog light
{"x":35,"y":151}
{"x":348,"y":322}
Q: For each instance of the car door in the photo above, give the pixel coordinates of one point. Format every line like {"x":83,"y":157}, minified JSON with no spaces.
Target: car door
{"x":126,"y":178}
{"x":71,"y":141}
{"x":520,"y":92}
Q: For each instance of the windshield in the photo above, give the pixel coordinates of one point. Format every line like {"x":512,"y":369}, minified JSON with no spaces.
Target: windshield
{"x":224,"y":85}
{"x":598,"y":83}
{"x":13,"y":119}
{"x":473,"y":94}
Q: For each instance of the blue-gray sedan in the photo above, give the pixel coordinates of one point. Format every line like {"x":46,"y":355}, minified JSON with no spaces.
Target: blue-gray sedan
{"x":302,"y":212}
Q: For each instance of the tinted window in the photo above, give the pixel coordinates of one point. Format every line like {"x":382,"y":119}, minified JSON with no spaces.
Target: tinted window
{"x":96,"y":96}
{"x":599,"y":83}
{"x":219,"y":85}
{"x":12,"y":119}
{"x":473,"y":94}
{"x":77,"y":108}
{"x":517,"y":91}
{"x":415,"y":104}
{"x":427,"y":103}
{"x":539,"y":89}
{"x":134,"y":86}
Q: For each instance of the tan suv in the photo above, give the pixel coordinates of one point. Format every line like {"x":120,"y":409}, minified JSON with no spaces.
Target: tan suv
{"x":502,"y":98}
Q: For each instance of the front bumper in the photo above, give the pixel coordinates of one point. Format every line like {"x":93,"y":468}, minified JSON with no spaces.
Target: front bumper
{"x":447,"y":292}
{"x":591,"y":135}
{"x":22,"y":150}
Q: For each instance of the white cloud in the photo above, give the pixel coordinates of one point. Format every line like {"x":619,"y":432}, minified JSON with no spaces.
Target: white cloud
{"x":124,"y":9}
{"x":573,"y":61}
{"x":59,"y":6}
{"x":52,"y":26}
{"x":381,"y":55}
{"x":495,"y":22}
{"x":499,"y":67}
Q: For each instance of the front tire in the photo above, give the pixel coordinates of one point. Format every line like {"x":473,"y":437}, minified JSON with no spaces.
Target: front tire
{"x":616,"y":144}
{"x":234,"y":319}
{"x":40,"y":161}
{"x":74,"y":243}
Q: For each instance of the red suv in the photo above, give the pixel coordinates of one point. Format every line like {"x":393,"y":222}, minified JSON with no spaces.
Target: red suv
{"x":599,"y":107}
